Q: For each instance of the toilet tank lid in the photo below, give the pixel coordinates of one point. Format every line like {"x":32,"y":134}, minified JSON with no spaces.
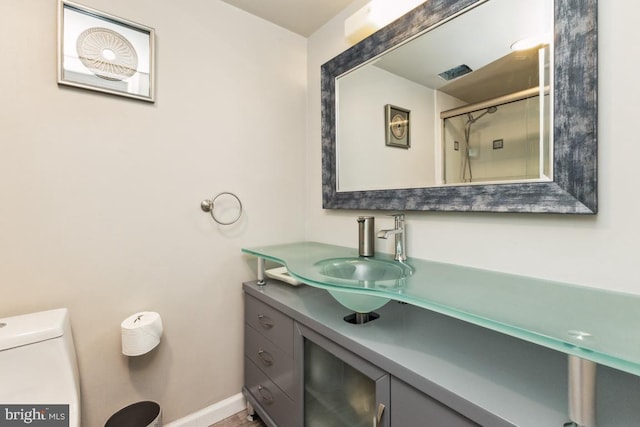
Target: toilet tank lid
{"x":31,"y":328}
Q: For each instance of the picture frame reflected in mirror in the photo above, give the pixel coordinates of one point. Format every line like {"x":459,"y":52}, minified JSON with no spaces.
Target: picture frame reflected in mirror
{"x":397,"y":126}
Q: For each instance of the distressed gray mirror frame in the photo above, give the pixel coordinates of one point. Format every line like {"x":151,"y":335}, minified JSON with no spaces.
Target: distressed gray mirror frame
{"x":574,"y":188}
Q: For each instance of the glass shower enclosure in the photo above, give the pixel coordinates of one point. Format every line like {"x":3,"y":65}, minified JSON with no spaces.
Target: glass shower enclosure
{"x":504,"y":142}
{"x":506,"y":138}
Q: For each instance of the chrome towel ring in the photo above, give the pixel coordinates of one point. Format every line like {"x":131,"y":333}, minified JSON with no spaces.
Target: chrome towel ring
{"x":209,"y":205}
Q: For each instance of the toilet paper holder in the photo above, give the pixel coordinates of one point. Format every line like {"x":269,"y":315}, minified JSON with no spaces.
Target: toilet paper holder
{"x":140,"y":333}
{"x":208,"y":205}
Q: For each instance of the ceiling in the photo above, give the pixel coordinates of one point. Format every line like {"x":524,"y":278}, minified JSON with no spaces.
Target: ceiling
{"x":474,"y":39}
{"x":303,"y":17}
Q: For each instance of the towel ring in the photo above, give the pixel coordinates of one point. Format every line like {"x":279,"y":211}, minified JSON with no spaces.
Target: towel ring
{"x":210,"y":204}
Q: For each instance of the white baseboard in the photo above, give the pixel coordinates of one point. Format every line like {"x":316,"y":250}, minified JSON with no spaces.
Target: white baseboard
{"x":212,"y":414}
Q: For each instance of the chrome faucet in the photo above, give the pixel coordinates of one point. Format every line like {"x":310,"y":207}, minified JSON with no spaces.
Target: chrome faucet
{"x":398,"y":232}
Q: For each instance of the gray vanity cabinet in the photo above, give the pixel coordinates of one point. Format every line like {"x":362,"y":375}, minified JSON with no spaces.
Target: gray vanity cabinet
{"x":411,"y":407}
{"x":302,"y":373}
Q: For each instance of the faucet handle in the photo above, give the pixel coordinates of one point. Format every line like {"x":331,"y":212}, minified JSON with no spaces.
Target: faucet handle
{"x":398,"y":220}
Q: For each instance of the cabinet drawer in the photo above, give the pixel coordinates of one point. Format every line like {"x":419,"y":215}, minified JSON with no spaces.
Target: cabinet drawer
{"x":277,"y":365}
{"x":279,"y":407}
{"x":275,"y":326}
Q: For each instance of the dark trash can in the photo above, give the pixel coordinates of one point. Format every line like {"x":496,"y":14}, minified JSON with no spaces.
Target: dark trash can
{"x":141,"y":414}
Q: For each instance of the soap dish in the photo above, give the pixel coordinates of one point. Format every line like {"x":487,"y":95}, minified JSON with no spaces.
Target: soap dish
{"x":281,"y":273}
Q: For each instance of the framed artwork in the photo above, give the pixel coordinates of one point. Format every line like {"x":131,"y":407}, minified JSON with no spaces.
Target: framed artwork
{"x":101,"y":52}
{"x":397,"y":130}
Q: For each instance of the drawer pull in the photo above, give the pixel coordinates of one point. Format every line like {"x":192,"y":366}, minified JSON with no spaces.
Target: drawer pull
{"x":265,"y":394}
{"x":265,"y":321}
{"x":265,"y":357}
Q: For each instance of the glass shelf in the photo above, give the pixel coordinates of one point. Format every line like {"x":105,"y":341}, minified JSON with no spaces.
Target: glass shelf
{"x":592,"y":324}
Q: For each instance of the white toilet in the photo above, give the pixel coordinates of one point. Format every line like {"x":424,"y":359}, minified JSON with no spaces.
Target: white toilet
{"x":38,"y":362}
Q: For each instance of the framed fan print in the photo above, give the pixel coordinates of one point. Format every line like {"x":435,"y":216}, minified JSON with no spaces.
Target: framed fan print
{"x":101,"y":52}
{"x":397,"y":126}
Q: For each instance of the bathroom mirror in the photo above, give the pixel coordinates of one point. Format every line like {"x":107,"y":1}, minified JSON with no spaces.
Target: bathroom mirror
{"x":511,"y":131}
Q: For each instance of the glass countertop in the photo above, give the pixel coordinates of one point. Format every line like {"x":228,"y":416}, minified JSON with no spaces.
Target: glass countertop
{"x":597,"y":325}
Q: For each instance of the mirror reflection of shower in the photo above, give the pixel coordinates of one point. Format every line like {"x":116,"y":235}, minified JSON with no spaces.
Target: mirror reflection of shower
{"x":494,"y":142}
{"x":466,"y":161}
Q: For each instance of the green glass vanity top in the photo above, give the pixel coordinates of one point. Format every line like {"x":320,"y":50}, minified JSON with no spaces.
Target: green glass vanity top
{"x":593,"y":324}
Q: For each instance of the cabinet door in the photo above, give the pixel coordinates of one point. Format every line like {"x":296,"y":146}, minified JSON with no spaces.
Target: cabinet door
{"x":411,"y":407}
{"x":340,"y":388}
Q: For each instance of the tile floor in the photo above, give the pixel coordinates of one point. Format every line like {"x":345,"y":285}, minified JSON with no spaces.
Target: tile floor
{"x":239,"y":420}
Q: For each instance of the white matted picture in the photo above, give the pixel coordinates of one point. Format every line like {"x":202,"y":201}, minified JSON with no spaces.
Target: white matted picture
{"x":101,"y":52}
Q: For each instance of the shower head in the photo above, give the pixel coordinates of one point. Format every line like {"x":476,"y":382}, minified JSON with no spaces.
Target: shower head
{"x":489,"y":110}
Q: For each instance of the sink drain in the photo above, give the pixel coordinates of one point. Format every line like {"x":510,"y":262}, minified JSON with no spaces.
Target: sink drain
{"x":361,"y":318}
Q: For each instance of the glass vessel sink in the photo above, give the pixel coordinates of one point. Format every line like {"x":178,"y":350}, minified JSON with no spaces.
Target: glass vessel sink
{"x":359,"y":303}
{"x":363,"y":269}
{"x":364,"y":273}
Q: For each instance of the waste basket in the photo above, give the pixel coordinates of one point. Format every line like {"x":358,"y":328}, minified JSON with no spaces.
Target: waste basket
{"x":140,"y":414}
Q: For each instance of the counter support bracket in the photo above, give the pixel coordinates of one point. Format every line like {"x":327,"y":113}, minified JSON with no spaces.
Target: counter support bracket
{"x":261,"y":281}
{"x":582,"y":391}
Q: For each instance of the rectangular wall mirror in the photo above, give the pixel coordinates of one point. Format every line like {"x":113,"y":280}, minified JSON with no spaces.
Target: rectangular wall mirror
{"x":502,"y":102}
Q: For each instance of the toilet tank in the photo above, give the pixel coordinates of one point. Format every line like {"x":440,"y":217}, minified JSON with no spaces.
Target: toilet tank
{"x":38,"y":363}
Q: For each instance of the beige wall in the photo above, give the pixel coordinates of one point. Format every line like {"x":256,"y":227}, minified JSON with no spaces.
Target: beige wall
{"x":598,"y":251}
{"x":100,"y":195}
